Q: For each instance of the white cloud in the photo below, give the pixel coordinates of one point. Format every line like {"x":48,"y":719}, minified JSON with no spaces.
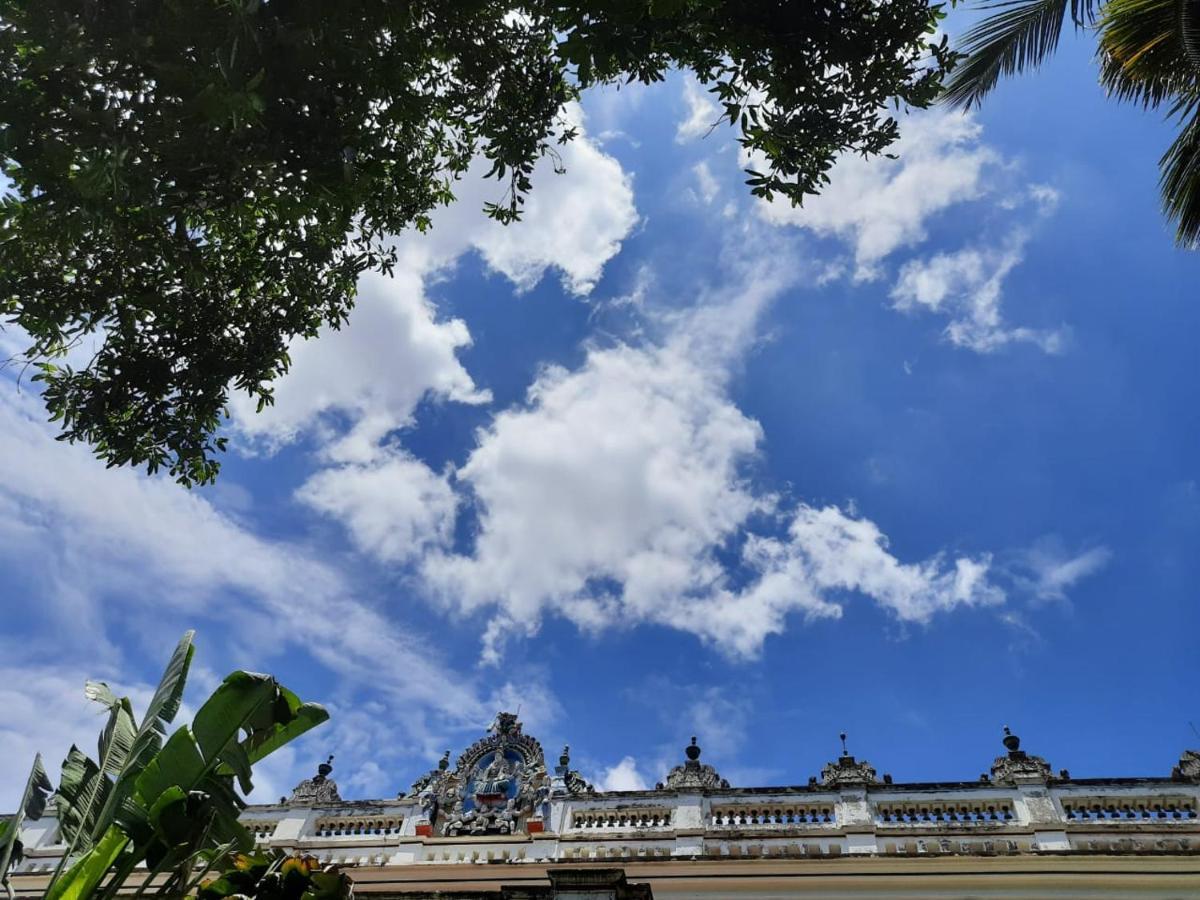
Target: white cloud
{"x":705,"y":182}
{"x":702,"y":112}
{"x":373,"y":372}
{"x":116,"y":557}
{"x":393,"y":352}
{"x":394,"y":507}
{"x":607,"y":496}
{"x":1052,"y":571}
{"x":967,"y":286}
{"x":880,"y":205}
{"x":624,"y":776}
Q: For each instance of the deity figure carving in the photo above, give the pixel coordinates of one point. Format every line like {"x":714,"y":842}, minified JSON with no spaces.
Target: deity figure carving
{"x":498,"y":783}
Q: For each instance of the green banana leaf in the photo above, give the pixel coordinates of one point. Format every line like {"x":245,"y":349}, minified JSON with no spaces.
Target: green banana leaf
{"x":81,"y":880}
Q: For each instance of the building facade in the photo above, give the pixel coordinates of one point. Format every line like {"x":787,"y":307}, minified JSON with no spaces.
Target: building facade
{"x":502,"y":822}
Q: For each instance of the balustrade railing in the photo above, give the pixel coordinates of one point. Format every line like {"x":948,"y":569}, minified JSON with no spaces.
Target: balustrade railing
{"x":638,"y":817}
{"x":357,"y":826}
{"x":1141,"y":809}
{"x":944,"y":811}
{"x":754,"y":815}
{"x":261,"y":829}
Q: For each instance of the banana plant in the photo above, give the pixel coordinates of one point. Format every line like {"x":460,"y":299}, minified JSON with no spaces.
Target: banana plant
{"x":89,"y":793}
{"x":168,"y":805}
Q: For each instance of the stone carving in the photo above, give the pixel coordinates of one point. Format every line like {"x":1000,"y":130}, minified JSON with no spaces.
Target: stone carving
{"x":1017,"y":766}
{"x":692,"y":776}
{"x":572,"y":781}
{"x":498,"y":783}
{"x":430,"y":778}
{"x":318,"y":790}
{"x":847,"y":771}
{"x":1189,"y":766}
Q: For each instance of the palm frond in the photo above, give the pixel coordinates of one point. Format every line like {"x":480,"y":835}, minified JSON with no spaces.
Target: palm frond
{"x":1189,"y":31}
{"x":1141,"y":54}
{"x":1017,"y":38}
{"x":1180,"y":181}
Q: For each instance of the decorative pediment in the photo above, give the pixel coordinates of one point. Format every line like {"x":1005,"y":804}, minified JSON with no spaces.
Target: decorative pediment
{"x":846,"y":771}
{"x":1017,"y":766}
{"x":318,"y":790}
{"x":498,"y":784}
{"x":693,"y":775}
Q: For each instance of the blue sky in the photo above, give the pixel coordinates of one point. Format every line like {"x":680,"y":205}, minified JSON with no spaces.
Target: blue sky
{"x":914,"y":462}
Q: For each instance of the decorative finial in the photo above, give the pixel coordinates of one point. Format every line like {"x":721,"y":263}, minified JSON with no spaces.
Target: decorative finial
{"x":845,"y":752}
{"x":564,"y":758}
{"x":326,"y":767}
{"x":1011,"y":742}
{"x":693,"y":750}
{"x":444,"y":762}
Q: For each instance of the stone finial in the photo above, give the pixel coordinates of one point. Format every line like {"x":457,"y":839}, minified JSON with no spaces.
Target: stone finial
{"x":847,"y":771}
{"x":1012,"y":743}
{"x":1017,"y":766}
{"x":444,"y":762}
{"x":564,"y":758}
{"x":693,"y":775}
{"x":318,"y":789}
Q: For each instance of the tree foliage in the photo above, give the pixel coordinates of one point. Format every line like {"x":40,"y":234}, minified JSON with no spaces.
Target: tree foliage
{"x":196,"y":183}
{"x":1148,"y":53}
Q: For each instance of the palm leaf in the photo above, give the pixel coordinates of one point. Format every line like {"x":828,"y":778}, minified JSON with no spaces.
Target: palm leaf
{"x":1189,"y":31}
{"x":1018,"y":37}
{"x":1180,"y":181}
{"x":1142,"y":56}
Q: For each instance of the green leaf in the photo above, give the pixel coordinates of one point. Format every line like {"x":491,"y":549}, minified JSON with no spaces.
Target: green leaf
{"x":37,"y":791}
{"x":118,"y":737}
{"x":32,"y":805}
{"x":82,"y":791}
{"x":81,"y":880}
{"x":242,"y":697}
{"x":147,"y":741}
{"x":1021,"y":36}
{"x":267,"y":736}
{"x":178,"y":764}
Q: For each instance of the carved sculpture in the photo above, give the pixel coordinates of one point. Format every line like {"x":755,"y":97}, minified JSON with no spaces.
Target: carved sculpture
{"x":1189,"y":766}
{"x":847,"y":771}
{"x":1017,"y":766}
{"x":498,"y":783}
{"x":318,"y":790}
{"x":692,"y":775}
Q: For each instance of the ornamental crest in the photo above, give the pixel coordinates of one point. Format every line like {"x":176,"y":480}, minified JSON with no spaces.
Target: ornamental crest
{"x":499,"y":782}
{"x":316,"y":791}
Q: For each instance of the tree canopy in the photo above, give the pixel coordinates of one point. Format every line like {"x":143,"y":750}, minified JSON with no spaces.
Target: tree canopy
{"x":197,"y":183}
